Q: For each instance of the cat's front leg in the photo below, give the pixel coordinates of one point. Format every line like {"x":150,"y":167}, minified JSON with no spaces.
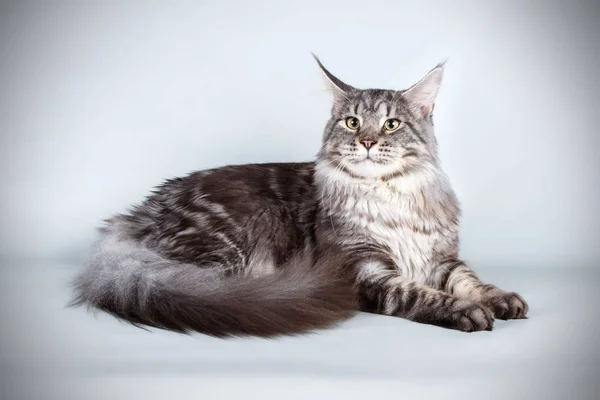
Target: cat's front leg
{"x":456,"y":278}
{"x":384,"y":291}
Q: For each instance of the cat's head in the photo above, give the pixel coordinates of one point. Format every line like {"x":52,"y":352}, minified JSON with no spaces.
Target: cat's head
{"x":376,"y":133}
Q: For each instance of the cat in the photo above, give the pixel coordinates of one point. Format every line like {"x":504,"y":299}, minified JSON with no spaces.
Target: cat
{"x":273,"y":249}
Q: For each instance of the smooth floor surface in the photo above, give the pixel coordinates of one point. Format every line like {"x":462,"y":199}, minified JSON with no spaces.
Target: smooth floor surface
{"x":52,"y":352}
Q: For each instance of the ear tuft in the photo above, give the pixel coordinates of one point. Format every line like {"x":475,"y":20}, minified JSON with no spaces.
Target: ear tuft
{"x":422,"y":95}
{"x":339,"y":88}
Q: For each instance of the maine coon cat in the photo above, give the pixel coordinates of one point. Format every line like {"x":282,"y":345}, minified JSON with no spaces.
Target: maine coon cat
{"x":271,"y":249}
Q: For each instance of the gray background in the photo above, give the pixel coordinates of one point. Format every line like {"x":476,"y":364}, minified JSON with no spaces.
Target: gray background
{"x":101,"y":100}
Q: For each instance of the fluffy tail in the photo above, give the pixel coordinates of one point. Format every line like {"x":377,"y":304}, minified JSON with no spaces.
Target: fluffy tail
{"x":138,"y":285}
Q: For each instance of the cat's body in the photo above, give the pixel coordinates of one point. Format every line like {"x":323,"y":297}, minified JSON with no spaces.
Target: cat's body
{"x":270,"y":249}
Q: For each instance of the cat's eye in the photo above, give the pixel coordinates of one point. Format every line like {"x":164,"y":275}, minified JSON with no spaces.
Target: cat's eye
{"x":352,"y":123}
{"x":391,"y":125}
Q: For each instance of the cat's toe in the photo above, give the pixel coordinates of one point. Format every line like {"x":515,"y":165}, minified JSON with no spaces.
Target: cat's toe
{"x":508,"y":306}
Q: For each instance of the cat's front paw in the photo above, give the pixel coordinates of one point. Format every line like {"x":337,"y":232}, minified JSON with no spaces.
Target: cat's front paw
{"x":471,"y":317}
{"x":508,"y":306}
{"x":458,"y":314}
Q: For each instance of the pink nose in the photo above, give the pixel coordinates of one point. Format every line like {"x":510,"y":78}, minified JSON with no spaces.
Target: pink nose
{"x":368,"y":143}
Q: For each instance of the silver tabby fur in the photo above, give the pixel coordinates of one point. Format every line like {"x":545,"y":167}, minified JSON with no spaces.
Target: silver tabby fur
{"x":271,"y":249}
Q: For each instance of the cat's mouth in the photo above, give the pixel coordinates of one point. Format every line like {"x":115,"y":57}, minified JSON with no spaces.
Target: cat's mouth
{"x":371,"y":160}
{"x":368,"y":158}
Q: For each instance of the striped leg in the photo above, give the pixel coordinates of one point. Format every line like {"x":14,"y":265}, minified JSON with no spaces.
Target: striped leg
{"x":457,"y":279}
{"x":385,"y":292}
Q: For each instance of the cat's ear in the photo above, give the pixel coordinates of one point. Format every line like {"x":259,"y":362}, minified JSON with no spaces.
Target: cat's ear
{"x":340,"y":89}
{"x":421,"y":96}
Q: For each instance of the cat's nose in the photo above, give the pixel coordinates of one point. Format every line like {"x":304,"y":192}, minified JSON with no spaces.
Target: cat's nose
{"x":368,"y":143}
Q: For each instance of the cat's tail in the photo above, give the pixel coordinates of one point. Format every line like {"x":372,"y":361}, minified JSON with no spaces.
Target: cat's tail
{"x":136,"y":284}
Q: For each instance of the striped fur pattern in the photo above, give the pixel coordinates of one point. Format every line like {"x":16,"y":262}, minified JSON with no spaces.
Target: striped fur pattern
{"x":272,"y":249}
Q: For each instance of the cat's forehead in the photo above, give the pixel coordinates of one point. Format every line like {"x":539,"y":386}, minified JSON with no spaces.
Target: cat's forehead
{"x":374,"y":102}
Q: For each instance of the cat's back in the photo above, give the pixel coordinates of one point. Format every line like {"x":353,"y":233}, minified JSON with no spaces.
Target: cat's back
{"x":242,"y":187}
{"x":225,"y":197}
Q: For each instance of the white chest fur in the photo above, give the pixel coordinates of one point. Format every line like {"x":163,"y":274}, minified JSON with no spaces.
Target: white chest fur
{"x":408,"y":218}
{"x":394,"y":226}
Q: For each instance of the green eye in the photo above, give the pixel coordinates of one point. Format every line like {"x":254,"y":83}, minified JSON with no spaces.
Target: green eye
{"x":391,"y":125}
{"x":352,"y":123}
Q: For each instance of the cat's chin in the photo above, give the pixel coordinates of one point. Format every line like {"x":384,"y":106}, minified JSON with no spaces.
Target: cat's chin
{"x":371,"y":169}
